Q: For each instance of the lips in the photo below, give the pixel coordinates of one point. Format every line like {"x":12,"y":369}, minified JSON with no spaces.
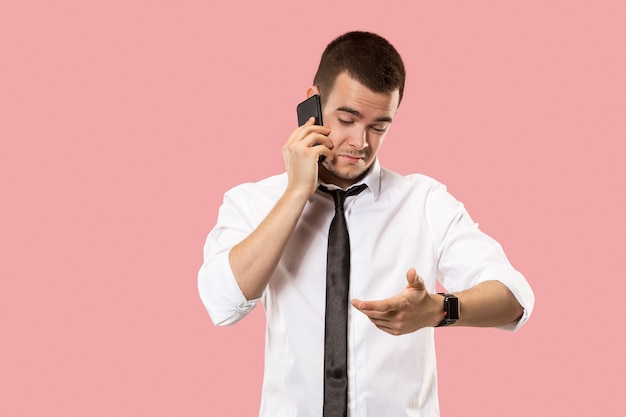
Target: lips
{"x":352,"y":158}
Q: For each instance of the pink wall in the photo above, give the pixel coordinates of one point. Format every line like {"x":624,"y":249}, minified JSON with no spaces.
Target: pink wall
{"x":123,"y":123}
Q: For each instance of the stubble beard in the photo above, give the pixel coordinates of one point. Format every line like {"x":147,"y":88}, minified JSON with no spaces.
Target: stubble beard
{"x":347,"y":175}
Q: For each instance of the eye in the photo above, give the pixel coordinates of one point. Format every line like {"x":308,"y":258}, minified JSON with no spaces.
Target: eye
{"x":345,"y":122}
{"x":378,"y":129}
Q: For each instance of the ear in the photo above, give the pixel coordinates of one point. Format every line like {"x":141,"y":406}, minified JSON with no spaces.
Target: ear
{"x":312,"y":91}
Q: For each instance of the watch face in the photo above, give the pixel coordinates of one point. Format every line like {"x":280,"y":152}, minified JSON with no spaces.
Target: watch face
{"x":453,"y":303}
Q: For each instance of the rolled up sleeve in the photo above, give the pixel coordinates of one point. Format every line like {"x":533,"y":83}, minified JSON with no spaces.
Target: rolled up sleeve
{"x":467,"y":256}
{"x":220,"y":293}
{"x":519,"y":287}
{"x":217,"y":286}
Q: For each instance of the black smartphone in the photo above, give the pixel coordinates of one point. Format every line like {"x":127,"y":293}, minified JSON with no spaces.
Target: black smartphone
{"x":311,"y":107}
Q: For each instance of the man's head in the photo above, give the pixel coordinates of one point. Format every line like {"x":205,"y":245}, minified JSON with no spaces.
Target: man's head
{"x":360,"y":80}
{"x":367,"y":58}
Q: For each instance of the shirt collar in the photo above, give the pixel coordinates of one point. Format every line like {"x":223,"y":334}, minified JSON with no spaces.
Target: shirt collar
{"x":372,"y":179}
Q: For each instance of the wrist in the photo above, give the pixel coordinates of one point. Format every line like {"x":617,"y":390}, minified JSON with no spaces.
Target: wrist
{"x":437,"y":315}
{"x":450,"y":309}
{"x":300,"y":191}
{"x":295,"y":196}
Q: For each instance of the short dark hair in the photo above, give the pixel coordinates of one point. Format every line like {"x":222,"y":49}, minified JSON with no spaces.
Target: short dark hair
{"x":368,"y":58}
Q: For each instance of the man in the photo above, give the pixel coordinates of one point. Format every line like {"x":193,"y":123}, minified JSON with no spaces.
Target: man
{"x":271,"y":243}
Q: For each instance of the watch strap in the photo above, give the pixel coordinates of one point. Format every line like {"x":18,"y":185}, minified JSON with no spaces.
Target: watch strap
{"x":451,"y":311}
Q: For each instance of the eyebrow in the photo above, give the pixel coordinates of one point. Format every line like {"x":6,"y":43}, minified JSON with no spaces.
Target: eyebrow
{"x":360,"y":116}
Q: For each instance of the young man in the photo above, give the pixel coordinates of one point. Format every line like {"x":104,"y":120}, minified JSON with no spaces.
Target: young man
{"x":272,"y":243}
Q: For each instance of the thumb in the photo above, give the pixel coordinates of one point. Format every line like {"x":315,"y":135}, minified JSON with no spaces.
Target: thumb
{"x":414,"y":280}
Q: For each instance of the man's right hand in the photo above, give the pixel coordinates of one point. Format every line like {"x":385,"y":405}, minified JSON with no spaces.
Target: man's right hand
{"x":301,"y":153}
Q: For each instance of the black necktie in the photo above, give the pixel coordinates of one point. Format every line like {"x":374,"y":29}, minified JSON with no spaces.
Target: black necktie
{"x":336,"y":329}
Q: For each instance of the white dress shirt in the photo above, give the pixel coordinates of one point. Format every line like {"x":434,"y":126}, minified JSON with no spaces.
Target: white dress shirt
{"x":397,"y":223}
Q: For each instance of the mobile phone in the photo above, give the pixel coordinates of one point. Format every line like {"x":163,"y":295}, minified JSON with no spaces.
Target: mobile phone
{"x":311,"y":107}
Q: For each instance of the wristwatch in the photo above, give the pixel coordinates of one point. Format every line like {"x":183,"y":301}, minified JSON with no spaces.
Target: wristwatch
{"x":451,"y":309}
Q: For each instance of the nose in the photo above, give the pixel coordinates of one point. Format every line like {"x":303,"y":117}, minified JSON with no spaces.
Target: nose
{"x":358,"y":139}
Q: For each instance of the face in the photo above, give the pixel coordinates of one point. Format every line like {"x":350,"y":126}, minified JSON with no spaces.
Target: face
{"x":359,"y":120}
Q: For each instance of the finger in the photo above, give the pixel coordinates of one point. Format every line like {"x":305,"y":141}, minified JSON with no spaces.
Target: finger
{"x":323,"y":153}
{"x":313,"y":139}
{"x":387,"y":321}
{"x":411,"y":276}
{"x":414,"y":280}
{"x":314,"y":144}
{"x":317,"y":138}
{"x":392,"y":330}
{"x":303,"y":131}
{"x":309,"y":122}
{"x":326,"y":141}
{"x":386,"y":305}
{"x":377,"y":315}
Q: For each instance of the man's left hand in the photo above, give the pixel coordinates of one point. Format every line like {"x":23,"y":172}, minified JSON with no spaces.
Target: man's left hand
{"x":406,"y":312}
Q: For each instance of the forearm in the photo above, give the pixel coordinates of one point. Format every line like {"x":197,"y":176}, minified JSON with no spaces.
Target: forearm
{"x":254,"y":259}
{"x":488,"y":304}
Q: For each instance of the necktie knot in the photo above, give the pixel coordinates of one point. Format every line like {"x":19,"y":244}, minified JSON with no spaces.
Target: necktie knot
{"x":339,"y":196}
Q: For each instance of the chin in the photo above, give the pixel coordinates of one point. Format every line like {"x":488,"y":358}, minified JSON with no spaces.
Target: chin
{"x":346,"y":172}
{"x":350,"y":175}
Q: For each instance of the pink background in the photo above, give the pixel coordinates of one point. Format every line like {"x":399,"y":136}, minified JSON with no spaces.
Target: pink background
{"x":123,"y":122}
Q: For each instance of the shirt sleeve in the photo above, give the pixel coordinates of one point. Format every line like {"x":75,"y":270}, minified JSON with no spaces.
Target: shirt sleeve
{"x":217,"y":286}
{"x":467,"y":256}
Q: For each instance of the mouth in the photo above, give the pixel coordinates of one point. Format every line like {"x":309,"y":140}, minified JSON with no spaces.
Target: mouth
{"x":351,"y":158}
